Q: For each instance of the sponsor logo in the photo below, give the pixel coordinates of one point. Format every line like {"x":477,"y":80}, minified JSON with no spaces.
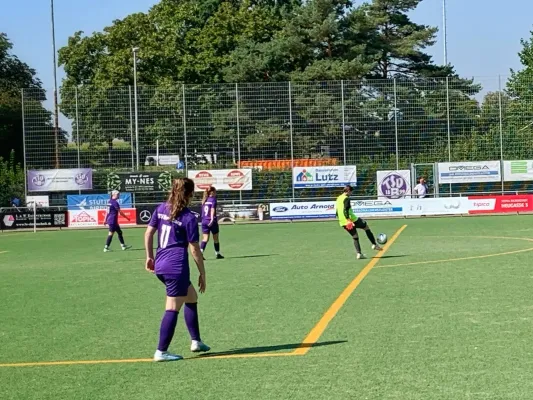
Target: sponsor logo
{"x":204,"y":180}
{"x":468,"y":168}
{"x":371,"y":203}
{"x":280,"y":209}
{"x":81,"y":179}
{"x":235,"y":179}
{"x":9,"y":220}
{"x":393,"y":186}
{"x":38,"y":180}
{"x":304,"y":176}
{"x":145,"y":215}
{"x":452,"y":205}
{"x":481,"y":204}
{"x":83,"y":217}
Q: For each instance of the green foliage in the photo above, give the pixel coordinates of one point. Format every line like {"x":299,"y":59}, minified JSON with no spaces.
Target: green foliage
{"x":11,"y":180}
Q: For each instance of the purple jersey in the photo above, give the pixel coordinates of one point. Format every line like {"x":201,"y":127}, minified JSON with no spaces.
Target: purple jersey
{"x":112,"y":215}
{"x":173,"y":238}
{"x":210,"y":204}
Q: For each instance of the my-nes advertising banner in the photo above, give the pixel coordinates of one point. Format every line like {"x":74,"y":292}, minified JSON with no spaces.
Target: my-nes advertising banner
{"x":60,"y":180}
{"x":96,"y":201}
{"x":140,"y":182}
{"x":469,"y":172}
{"x":320,"y":177}
{"x":394,"y":184}
{"x":221,"y":179}
{"x":518,"y":170}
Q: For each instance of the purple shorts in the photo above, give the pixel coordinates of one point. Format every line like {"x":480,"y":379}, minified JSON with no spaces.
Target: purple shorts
{"x":115,"y":228}
{"x":214,"y":229}
{"x":177,"y":284}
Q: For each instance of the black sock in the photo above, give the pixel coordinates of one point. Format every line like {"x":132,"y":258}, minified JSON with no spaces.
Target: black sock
{"x":108,"y":241}
{"x":217,"y":247}
{"x":357,"y":244}
{"x":371,"y":237}
{"x":120,"y":238}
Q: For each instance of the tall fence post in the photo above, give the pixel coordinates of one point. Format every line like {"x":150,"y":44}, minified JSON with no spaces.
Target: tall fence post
{"x":77,"y":129}
{"x":501,"y":131}
{"x":292,"y":142}
{"x":343,"y":124}
{"x":396,"y":126}
{"x":238,"y":133}
{"x":131,"y":131}
{"x":77,"y":126}
{"x":448,"y":127}
{"x":24,"y":146}
{"x":185,"y":131}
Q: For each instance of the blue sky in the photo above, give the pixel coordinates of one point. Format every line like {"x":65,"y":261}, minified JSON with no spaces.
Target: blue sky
{"x":483,"y":36}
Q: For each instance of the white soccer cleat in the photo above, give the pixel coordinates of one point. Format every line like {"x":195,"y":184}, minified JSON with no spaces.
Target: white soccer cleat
{"x":197,"y":346}
{"x":106,"y":250}
{"x":376,"y":247}
{"x":160,"y":356}
{"x":126,"y":247}
{"x":360,"y":256}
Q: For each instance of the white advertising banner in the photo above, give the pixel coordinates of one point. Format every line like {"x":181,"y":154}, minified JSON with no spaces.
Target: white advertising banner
{"x":39,"y":201}
{"x":222,"y":179}
{"x":326,"y":209}
{"x":439,"y":206}
{"x":518,"y":170}
{"x":394,"y":184}
{"x":320,"y":177}
{"x":469,"y":172}
{"x":81,"y":218}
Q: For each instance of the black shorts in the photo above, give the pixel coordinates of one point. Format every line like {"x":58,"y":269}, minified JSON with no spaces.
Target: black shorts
{"x":359,"y":223}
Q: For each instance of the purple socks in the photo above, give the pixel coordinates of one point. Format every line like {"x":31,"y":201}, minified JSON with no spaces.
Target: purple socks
{"x":166,"y":332}
{"x":191,"y":320}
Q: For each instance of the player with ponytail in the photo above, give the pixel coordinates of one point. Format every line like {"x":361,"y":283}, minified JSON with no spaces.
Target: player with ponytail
{"x":177,"y":232}
{"x":210,"y":221}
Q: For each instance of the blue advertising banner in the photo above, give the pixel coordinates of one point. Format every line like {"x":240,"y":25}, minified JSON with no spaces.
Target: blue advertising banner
{"x":96,"y":201}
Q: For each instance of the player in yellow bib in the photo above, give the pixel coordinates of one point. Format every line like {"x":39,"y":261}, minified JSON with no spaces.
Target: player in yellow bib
{"x":350,"y":222}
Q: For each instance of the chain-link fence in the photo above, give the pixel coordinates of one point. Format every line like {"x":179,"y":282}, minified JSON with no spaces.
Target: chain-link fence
{"x":375,"y":125}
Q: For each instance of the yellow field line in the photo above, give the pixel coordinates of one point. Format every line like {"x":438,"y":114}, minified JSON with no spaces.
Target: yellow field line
{"x":506,"y":253}
{"x":141,"y":360}
{"x":321,"y":326}
{"x":2,"y":252}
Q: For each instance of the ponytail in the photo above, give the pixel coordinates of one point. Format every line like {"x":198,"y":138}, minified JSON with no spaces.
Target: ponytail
{"x":180,"y":195}
{"x":208,"y":192}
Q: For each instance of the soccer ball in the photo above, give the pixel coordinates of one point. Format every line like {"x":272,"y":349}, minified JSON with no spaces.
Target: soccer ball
{"x":382,"y":238}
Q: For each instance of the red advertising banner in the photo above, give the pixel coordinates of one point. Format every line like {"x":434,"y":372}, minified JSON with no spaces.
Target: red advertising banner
{"x":501,"y":204}
{"x":129,"y":212}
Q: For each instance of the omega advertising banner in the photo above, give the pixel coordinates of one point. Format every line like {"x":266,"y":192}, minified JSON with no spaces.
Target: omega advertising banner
{"x":469,"y":172}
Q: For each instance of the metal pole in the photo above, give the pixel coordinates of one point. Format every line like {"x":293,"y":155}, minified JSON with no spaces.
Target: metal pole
{"x":396,"y":126}
{"x":131,"y":132}
{"x":238,"y":133}
{"x":24,"y":147}
{"x":292,"y":142}
{"x":343,"y":124}
{"x":135,"y":102}
{"x":448,"y":124}
{"x":501,"y":131}
{"x":77,"y":127}
{"x":157,"y":152}
{"x":56,"y":107}
{"x":185,"y":131}
{"x":445,"y":32}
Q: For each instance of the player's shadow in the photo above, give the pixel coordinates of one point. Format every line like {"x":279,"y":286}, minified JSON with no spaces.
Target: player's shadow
{"x":392,"y":256}
{"x":268,"y":349}
{"x":251,"y":256}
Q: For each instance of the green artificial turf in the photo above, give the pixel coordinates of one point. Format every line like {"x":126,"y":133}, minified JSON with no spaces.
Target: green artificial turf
{"x":417,"y":327}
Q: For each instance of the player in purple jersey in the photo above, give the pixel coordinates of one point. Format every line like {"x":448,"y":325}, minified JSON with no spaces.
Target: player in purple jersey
{"x":210,"y":221}
{"x":112,"y":221}
{"x":177,"y":232}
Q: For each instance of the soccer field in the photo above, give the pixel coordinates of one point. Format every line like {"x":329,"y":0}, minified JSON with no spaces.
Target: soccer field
{"x":445,"y":313}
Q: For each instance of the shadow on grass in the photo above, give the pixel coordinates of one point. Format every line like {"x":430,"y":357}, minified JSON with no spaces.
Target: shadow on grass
{"x":252,"y":256}
{"x":399,"y":255}
{"x":267,"y":349}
